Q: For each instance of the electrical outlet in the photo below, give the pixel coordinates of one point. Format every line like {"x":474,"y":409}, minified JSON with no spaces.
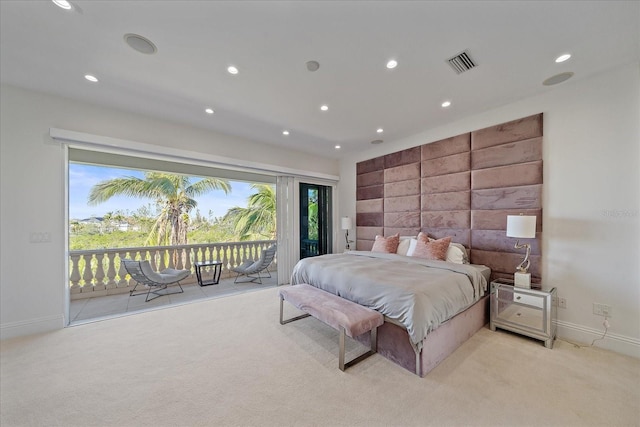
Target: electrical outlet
{"x":602,"y":309}
{"x":562,"y":303}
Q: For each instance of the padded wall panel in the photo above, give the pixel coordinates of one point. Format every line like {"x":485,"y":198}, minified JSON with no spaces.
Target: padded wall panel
{"x":370,"y":178}
{"x":401,"y":220}
{"x":507,"y":154}
{"x":364,"y":245}
{"x":514,"y":175}
{"x":402,"y":204}
{"x":446,"y":219}
{"x":516,"y":130}
{"x":447,"y":147}
{"x":368,"y":233}
{"x":503,"y":262}
{"x":369,"y":206}
{"x":446,"y":183}
{"x":496,"y":240}
{"x":402,"y":173}
{"x":370,"y":219}
{"x":445,"y":165}
{"x":461,"y":235}
{"x":404,"y":157}
{"x":402,"y":188}
{"x":497,"y":219}
{"x":402,"y":231}
{"x":371,"y":165}
{"x":526,"y":197}
{"x":371,"y":192}
{"x":459,"y":200}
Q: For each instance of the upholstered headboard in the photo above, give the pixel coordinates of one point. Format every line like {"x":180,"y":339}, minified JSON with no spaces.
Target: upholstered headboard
{"x":464,"y":187}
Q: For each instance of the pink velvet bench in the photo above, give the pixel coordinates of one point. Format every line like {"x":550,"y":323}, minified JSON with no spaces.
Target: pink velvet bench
{"x":347,"y":317}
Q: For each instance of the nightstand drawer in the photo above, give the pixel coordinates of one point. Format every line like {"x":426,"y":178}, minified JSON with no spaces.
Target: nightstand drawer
{"x":521,"y":296}
{"x":532,"y":300}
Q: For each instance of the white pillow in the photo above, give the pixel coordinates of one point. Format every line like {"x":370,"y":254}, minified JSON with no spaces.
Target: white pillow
{"x":403,"y":247}
{"x":412,"y":246}
{"x":457,"y":254}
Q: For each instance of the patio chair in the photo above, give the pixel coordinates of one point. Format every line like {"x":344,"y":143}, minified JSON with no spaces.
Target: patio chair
{"x":252,"y":269}
{"x":142,"y":273}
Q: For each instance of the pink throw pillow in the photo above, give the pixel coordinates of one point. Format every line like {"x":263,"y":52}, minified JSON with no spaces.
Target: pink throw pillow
{"x":388,"y":245}
{"x":435,"y":249}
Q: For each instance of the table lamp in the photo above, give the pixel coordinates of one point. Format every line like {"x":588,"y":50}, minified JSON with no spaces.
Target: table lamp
{"x":522,"y":227}
{"x":346,"y":225}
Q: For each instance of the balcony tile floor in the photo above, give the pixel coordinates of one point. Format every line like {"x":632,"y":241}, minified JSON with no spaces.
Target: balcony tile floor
{"x":105,"y":307}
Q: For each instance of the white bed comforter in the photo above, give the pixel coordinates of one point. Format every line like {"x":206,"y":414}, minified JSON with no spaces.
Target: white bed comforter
{"x":418,"y":294}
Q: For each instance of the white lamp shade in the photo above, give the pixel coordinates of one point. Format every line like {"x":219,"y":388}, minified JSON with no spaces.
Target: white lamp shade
{"x":521,"y":226}
{"x":346,"y":223}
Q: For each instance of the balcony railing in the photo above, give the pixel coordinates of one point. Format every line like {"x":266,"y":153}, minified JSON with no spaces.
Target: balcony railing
{"x":99,"y":272}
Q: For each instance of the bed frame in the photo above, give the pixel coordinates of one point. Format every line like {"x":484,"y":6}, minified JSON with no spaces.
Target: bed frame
{"x":394,"y":344}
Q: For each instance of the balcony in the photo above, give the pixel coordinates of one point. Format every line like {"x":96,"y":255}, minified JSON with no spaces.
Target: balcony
{"x":99,"y":275}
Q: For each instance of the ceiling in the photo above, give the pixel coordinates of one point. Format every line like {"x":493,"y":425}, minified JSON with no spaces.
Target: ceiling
{"x":514,"y":44}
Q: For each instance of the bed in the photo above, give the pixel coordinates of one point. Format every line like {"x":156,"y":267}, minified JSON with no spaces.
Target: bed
{"x":430,"y":307}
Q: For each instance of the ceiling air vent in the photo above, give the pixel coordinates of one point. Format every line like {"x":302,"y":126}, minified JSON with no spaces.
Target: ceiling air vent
{"x":461,"y":62}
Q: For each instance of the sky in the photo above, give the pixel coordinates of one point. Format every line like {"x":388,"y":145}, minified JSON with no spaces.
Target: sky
{"x":83,"y":177}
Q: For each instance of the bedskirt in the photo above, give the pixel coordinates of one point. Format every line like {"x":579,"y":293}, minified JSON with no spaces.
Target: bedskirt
{"x":395,"y":345}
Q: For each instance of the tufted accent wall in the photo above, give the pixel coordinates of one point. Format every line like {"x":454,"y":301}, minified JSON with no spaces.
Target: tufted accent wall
{"x":463,"y":187}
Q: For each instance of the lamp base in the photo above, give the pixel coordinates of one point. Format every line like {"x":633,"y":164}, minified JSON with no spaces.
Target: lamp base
{"x":522,"y":280}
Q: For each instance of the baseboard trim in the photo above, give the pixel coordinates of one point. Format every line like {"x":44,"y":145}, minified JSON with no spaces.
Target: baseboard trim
{"x":584,"y":335}
{"x":31,"y":326}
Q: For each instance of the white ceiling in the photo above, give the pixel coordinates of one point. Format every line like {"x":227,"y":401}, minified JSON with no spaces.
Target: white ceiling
{"x":514,"y":44}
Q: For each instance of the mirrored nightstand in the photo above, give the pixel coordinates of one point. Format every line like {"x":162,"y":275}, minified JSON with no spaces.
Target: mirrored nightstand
{"x":530,"y":312}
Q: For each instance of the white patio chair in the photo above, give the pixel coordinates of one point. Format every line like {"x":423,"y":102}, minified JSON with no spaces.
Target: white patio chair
{"x":252,"y":269}
{"x":142,"y":273}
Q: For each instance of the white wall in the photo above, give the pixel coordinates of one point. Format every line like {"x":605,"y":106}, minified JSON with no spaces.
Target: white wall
{"x":32,"y":171}
{"x":591,"y":211}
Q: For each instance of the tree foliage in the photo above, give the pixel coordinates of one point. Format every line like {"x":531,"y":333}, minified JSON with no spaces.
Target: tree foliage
{"x":173,"y":194}
{"x":258,"y":220}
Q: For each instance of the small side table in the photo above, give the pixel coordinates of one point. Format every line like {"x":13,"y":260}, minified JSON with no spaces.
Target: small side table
{"x":530,"y":312}
{"x":217,"y":270}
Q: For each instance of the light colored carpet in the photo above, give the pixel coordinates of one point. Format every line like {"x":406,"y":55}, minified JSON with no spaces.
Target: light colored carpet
{"x":228,"y":362}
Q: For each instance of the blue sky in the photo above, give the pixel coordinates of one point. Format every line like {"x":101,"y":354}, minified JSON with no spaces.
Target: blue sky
{"x":82,"y":177}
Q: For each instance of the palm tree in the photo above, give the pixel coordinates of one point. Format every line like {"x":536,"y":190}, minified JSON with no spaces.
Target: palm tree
{"x":258,"y":219}
{"x":174,"y":194}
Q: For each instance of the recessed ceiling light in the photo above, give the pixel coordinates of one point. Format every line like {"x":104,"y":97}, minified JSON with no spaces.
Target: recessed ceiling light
{"x":140,"y":44}
{"x":563,"y":58}
{"x":92,"y":79}
{"x":285,"y":132}
{"x":446,"y":104}
{"x":377,"y":141}
{"x":324,"y":107}
{"x":558,"y":78}
{"x":337,"y":147}
{"x":209,"y":110}
{"x":63,"y":4}
{"x":392,"y":64}
{"x":380,"y":130}
{"x":232,"y":70}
